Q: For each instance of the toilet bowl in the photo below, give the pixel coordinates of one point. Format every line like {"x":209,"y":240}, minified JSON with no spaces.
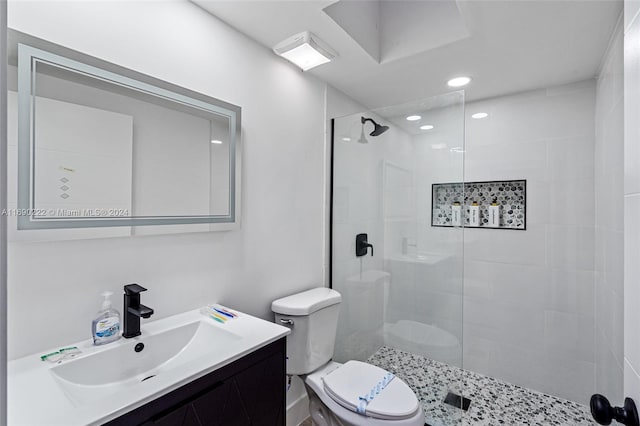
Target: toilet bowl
{"x":333,"y":393}
{"x":351,"y":394}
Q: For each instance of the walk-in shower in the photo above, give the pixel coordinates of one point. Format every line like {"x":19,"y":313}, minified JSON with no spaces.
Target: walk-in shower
{"x":407,"y":296}
{"x":489,"y":319}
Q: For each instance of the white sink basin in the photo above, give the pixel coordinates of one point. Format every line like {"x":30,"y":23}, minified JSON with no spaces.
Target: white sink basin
{"x":99,"y":374}
{"x":104,"y":382}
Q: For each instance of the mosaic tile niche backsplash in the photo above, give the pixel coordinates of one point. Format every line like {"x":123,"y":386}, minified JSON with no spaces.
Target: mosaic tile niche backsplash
{"x":510,"y":195}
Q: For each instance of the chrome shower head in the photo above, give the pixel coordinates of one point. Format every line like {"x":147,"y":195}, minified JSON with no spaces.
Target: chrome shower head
{"x":377,"y":129}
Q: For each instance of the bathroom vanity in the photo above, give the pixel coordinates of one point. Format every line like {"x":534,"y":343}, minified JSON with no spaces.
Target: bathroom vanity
{"x":182,"y":370}
{"x":249,"y":391}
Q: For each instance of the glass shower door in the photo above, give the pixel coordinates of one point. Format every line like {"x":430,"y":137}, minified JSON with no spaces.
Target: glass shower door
{"x":396,"y":256}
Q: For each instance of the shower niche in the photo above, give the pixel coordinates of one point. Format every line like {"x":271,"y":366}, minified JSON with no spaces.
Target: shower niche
{"x":509,"y":196}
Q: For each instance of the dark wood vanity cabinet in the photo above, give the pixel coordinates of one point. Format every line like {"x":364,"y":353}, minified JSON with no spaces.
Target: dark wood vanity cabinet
{"x":248,"y":392}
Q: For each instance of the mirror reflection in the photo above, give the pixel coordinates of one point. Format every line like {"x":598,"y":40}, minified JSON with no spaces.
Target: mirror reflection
{"x":103,"y":146}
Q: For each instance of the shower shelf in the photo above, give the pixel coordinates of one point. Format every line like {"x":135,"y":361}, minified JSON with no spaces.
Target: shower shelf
{"x":511,"y":196}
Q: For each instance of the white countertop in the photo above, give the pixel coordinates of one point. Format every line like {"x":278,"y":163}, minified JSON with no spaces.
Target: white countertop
{"x":36,"y":397}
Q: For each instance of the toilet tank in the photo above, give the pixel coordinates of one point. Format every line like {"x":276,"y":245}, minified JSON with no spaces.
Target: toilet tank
{"x":313,"y":318}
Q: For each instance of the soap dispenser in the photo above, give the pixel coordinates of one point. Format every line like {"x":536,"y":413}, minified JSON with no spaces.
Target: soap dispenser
{"x":106,"y":326}
{"x":474,"y":214}
{"x":456,"y":214}
{"x":494,"y":214}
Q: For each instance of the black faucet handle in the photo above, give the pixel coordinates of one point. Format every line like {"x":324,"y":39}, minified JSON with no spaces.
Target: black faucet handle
{"x":362,"y":245}
{"x":133,"y":289}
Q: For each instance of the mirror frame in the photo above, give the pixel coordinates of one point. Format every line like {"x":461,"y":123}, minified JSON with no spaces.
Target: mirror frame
{"x":47,"y":52}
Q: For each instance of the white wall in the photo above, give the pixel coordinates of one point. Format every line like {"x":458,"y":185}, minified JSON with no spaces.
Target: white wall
{"x":54,"y":287}
{"x":3,"y":220}
{"x":631,"y":200}
{"x":528,"y":295}
{"x":609,"y":223}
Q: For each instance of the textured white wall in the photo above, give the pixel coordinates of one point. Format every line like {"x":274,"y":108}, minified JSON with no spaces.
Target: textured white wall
{"x":631,"y":200}
{"x":528,"y":295}
{"x":54,"y":287}
{"x":609,"y":222}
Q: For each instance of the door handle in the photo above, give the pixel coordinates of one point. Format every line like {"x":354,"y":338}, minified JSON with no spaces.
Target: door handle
{"x":604,"y":413}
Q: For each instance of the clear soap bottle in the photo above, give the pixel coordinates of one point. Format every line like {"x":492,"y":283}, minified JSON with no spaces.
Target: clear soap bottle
{"x":106,"y":326}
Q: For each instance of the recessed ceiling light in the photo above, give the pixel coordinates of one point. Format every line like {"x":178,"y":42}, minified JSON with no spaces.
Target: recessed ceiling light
{"x":413,"y":118}
{"x":346,"y":139}
{"x":479,"y":115}
{"x":426,"y":127}
{"x":458,"y":81}
{"x":217,"y":142}
{"x":305,"y":50}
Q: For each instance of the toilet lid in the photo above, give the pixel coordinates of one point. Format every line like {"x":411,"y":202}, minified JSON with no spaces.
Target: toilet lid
{"x":354,"y":379}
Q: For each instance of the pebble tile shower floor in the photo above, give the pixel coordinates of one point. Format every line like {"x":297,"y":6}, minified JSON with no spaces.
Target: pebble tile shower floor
{"x":493,"y":402}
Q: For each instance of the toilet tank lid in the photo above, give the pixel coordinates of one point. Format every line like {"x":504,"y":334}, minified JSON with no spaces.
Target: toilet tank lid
{"x":307,"y":302}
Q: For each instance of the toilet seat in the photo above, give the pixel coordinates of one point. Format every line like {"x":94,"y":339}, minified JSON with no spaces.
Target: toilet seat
{"x":347,"y":417}
{"x":353,"y":379}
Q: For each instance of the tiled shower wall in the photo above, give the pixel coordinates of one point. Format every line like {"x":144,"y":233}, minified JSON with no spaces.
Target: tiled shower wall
{"x":529,"y":295}
{"x":609,"y":241}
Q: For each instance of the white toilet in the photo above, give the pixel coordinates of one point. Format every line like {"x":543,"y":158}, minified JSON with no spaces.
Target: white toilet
{"x":350,"y":394}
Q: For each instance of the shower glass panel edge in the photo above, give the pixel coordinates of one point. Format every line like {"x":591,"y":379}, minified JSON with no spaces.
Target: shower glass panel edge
{"x":402,"y":300}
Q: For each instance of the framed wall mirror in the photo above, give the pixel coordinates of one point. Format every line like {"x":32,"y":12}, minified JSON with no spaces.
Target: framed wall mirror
{"x":99,"y":145}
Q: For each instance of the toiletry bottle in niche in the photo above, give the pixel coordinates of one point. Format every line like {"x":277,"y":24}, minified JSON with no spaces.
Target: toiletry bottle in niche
{"x":456,"y":214}
{"x":494,"y":214}
{"x":106,"y":326}
{"x":474,"y":214}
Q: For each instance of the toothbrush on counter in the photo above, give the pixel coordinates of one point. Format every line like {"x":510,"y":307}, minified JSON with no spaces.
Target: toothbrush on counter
{"x":218,"y":313}
{"x":224,"y":311}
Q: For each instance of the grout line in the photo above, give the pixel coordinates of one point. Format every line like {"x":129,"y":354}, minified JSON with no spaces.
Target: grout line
{"x":626,"y":360}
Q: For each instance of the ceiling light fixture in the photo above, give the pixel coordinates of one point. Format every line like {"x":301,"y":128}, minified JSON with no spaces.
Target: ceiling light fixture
{"x":426,"y":127}
{"x":217,"y":142}
{"x":459,"y":81}
{"x":479,"y":115}
{"x":305,"y":50}
{"x":413,"y":118}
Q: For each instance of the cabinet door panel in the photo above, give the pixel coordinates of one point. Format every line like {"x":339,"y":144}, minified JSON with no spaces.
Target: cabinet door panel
{"x":191,"y":418}
{"x":222,"y":407}
{"x":263,"y":407}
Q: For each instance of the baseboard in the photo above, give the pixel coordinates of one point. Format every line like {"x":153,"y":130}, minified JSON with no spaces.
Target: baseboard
{"x":297,"y":403}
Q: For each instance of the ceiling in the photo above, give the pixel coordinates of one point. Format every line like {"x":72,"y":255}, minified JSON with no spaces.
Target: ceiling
{"x":395,"y":51}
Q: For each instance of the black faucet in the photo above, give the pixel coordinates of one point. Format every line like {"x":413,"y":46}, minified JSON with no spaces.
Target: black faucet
{"x":133,"y":310}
